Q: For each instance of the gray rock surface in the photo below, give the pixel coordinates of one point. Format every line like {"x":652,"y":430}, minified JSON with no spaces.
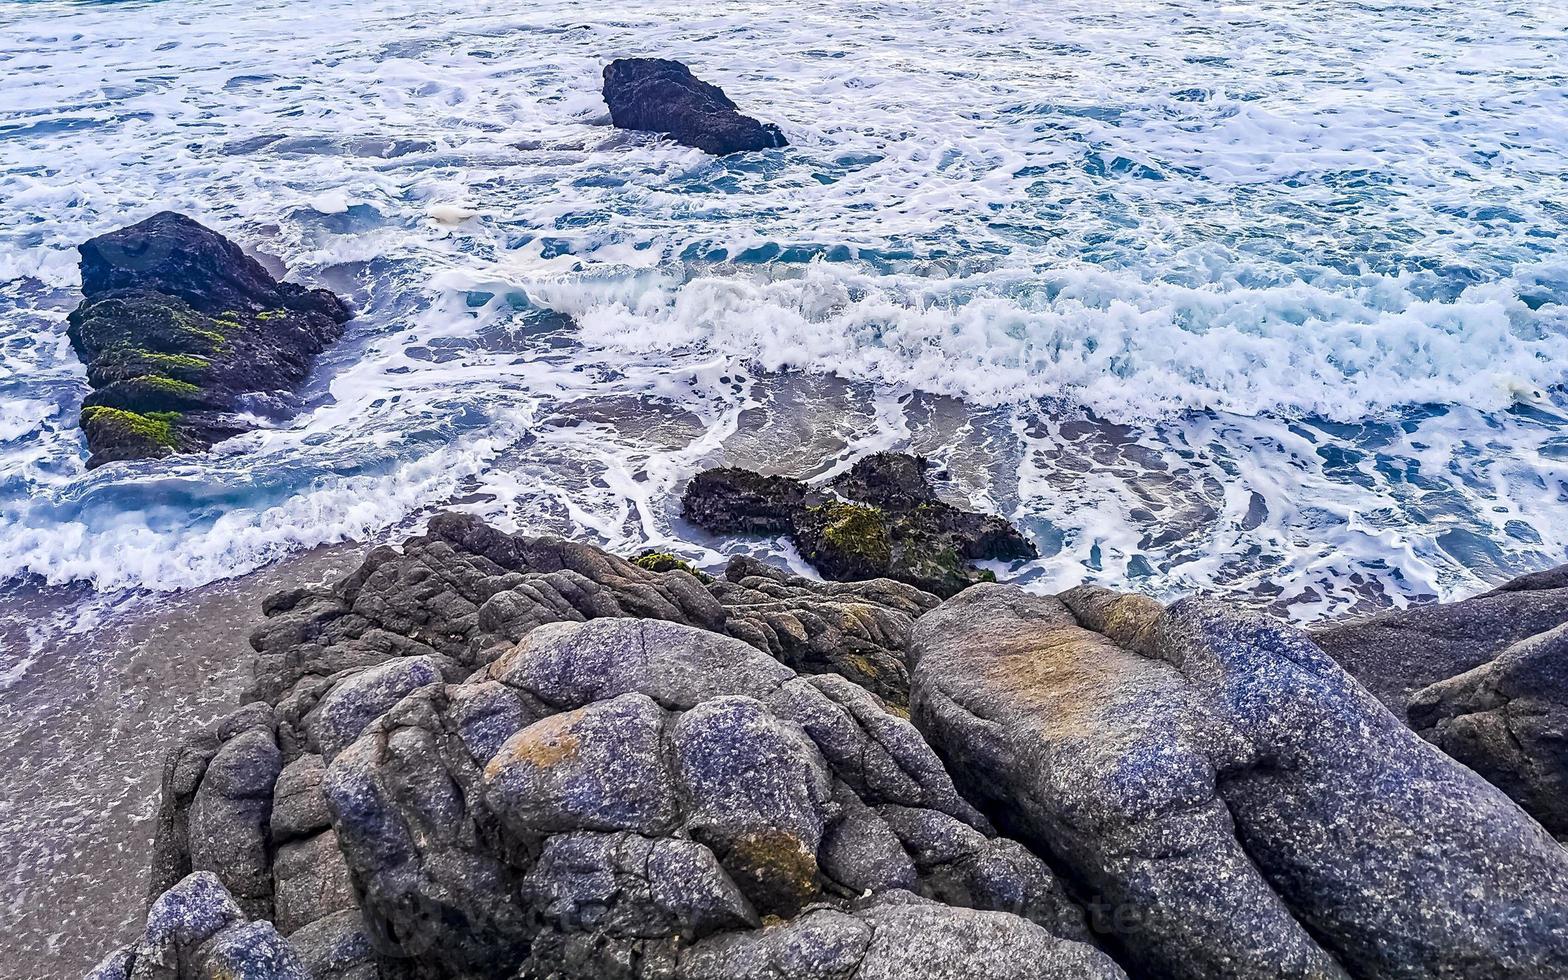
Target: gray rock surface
{"x":298,"y":808}
{"x":338,"y":718}
{"x":196,"y":931}
{"x":1485,"y":679}
{"x":600,"y":767}
{"x":230,"y":816}
{"x":467,"y":592}
{"x":897,"y":940}
{"x":310,"y":882}
{"x":496,"y":755}
{"x":1508,"y":720}
{"x":1232,"y":803}
{"x":662,"y":794}
{"x":1396,"y":653}
{"x":337,"y":947}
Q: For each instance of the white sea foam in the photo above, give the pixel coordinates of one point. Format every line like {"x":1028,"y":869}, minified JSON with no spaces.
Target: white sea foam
{"x":1266,"y":296}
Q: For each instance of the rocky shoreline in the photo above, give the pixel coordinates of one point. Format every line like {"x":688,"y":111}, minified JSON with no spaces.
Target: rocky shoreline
{"x":484,"y":754}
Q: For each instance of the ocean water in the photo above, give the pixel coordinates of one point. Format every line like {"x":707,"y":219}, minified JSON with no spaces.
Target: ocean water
{"x":1262,"y":298}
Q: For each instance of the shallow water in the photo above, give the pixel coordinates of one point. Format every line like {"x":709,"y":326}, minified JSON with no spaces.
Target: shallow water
{"x":1259,"y":297}
{"x":82,"y":740}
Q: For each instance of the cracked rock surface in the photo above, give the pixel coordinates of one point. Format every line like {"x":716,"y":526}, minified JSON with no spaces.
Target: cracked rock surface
{"x":1223,"y":786}
{"x":491,"y":755}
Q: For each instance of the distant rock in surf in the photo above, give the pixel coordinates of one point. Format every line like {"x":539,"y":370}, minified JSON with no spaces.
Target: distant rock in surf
{"x":662,"y":96}
{"x":890,"y":526}
{"x":177,"y":326}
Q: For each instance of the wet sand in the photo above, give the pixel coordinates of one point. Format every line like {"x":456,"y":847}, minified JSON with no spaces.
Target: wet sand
{"x":83,"y":730}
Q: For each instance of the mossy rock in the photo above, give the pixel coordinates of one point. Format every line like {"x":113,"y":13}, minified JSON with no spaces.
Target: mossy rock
{"x":663,"y":561}
{"x":124,"y":324}
{"x":730,"y":500}
{"x":893,"y":526}
{"x":115,"y":433}
{"x":152,"y":393}
{"x":178,"y":319}
{"x":846,"y":541}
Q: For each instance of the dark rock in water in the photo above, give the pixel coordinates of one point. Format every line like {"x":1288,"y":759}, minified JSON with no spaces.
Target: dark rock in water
{"x":170,"y":253}
{"x":662,"y":96}
{"x":177,"y":326}
{"x":891,"y":526}
{"x":731,"y":500}
{"x":1235,"y":805}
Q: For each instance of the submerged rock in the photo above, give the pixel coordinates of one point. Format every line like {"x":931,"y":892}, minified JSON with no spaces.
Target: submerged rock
{"x":889,"y":524}
{"x":662,"y":96}
{"x":178,"y":327}
{"x":1230,"y":801}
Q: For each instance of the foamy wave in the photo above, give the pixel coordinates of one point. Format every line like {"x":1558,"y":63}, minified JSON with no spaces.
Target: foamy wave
{"x":1128,"y":349}
{"x":134,"y":552}
{"x":1223,"y":225}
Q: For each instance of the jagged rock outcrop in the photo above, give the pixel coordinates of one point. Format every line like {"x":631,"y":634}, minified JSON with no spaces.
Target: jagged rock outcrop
{"x":1228,"y":800}
{"x":886,"y":522}
{"x":181,"y":332}
{"x":662,"y":96}
{"x":615,"y":797}
{"x":463,"y":592}
{"x":645,"y":786}
{"x":497,"y":755}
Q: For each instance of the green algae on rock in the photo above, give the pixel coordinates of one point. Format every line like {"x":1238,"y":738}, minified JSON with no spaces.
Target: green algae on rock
{"x":149,"y":435}
{"x":663,"y":561}
{"x":886,"y":522}
{"x":178,"y":326}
